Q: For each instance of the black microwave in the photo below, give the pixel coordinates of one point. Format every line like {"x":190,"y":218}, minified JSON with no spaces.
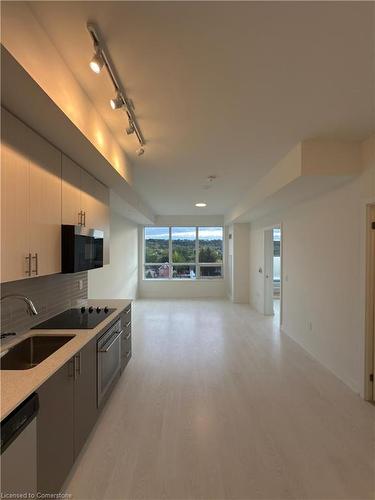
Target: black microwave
{"x":81,"y":248}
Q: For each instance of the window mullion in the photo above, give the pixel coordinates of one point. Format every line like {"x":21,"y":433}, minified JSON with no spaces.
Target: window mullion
{"x":197,"y":269}
{"x":170,"y":254}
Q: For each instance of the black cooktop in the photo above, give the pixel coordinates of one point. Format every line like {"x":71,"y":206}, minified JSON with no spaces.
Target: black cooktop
{"x":74,"y":319}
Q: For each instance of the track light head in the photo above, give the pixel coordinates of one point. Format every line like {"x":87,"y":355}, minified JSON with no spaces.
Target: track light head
{"x":116,"y":103}
{"x":130,"y":129}
{"x":140,"y":151}
{"x":97,"y":63}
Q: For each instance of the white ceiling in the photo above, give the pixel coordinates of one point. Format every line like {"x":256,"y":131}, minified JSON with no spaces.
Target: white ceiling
{"x":223,"y":88}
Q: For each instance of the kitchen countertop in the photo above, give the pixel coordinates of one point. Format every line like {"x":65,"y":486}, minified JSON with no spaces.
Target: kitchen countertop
{"x":17,"y":385}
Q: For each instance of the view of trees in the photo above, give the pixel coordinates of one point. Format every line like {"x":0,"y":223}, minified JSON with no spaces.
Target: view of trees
{"x":183,"y":251}
{"x":210,"y":251}
{"x":157,"y":251}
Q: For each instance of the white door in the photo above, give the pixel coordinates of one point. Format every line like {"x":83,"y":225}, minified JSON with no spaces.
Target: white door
{"x":268,"y":272}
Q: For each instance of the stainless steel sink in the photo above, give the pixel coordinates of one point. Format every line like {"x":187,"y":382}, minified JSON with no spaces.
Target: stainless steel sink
{"x":32,"y":351}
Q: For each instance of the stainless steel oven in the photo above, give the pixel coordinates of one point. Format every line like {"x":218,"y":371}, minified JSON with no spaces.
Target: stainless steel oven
{"x":108,"y":358}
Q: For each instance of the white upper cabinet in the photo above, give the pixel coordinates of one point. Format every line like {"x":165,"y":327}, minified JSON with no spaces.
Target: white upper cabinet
{"x":85,"y":201}
{"x":45,"y":207}
{"x":95,"y":208}
{"x":71,"y":192}
{"x":31,"y":203}
{"x":15,"y":249}
{"x":41,"y":189}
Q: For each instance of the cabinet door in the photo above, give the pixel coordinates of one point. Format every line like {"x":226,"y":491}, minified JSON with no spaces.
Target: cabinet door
{"x":45,"y":206}
{"x":14,"y":198}
{"x":95,"y":204}
{"x":55,"y":453}
{"x":85,"y":408}
{"x":71,"y":191}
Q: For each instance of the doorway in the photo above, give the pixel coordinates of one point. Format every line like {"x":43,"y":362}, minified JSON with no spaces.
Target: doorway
{"x":272,"y":272}
{"x":370,"y":305}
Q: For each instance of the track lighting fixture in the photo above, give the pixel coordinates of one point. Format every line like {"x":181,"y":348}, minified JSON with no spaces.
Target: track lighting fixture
{"x":97,"y":62}
{"x":102,"y":59}
{"x":116,"y":103}
{"x":130,"y":129}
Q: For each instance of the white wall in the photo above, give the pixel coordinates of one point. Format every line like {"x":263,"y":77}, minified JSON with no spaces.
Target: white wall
{"x":189,"y":220}
{"x":157,"y":289}
{"x":240,"y":263}
{"x":119,"y":279}
{"x":324,"y":274}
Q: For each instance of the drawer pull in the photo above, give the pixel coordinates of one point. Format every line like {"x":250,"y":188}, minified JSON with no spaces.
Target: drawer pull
{"x":112,"y":340}
{"x":36,"y":270}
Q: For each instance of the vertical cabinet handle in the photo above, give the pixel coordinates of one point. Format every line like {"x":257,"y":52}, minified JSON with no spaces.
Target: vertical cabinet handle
{"x":82,"y":218}
{"x":71,"y":373}
{"x":77,"y":365}
{"x":36,"y":270}
{"x":28,"y":262}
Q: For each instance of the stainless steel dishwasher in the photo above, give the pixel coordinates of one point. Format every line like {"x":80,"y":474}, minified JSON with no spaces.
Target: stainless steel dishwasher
{"x":18,"y":450}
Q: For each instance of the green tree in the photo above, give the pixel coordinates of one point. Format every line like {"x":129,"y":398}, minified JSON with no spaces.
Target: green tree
{"x":208,"y":254}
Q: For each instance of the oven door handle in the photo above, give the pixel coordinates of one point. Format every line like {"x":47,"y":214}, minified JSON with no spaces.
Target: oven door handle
{"x":113,"y":339}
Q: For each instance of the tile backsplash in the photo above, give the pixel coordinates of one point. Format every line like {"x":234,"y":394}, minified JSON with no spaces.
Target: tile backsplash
{"x":50,"y":295}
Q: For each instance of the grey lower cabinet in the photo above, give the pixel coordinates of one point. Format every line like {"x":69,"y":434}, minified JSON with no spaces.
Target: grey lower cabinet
{"x":85,"y":407}
{"x":67,"y":414}
{"x":68,"y":411}
{"x":55,"y":424}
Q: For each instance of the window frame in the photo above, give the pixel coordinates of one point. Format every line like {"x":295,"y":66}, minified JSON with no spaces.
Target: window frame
{"x":171,"y":264}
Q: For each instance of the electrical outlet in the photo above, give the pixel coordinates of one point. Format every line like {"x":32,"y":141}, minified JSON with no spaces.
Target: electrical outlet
{"x":80,"y":284}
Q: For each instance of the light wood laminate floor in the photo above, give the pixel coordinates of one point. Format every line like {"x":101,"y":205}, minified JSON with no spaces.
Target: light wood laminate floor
{"x":217,"y":404}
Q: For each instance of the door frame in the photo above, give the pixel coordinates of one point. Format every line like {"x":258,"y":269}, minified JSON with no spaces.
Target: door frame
{"x":270,"y":228}
{"x":369,"y":392}
{"x":268,"y":273}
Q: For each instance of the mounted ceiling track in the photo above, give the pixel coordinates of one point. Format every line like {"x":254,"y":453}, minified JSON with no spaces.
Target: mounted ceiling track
{"x":121,"y":100}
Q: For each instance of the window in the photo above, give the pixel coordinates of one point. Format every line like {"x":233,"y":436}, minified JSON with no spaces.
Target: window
{"x":183,"y":252}
{"x":157,"y":252}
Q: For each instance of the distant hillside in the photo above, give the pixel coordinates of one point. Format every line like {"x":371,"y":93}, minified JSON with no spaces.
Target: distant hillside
{"x":157,"y":251}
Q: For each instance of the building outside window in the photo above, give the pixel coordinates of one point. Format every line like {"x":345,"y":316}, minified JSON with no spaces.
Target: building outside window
{"x":181,"y":252}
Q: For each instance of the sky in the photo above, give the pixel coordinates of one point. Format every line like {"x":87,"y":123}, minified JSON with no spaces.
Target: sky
{"x":205,"y":233}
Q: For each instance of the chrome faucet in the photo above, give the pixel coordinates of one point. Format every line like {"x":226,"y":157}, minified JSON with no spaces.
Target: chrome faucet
{"x":31,"y":309}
